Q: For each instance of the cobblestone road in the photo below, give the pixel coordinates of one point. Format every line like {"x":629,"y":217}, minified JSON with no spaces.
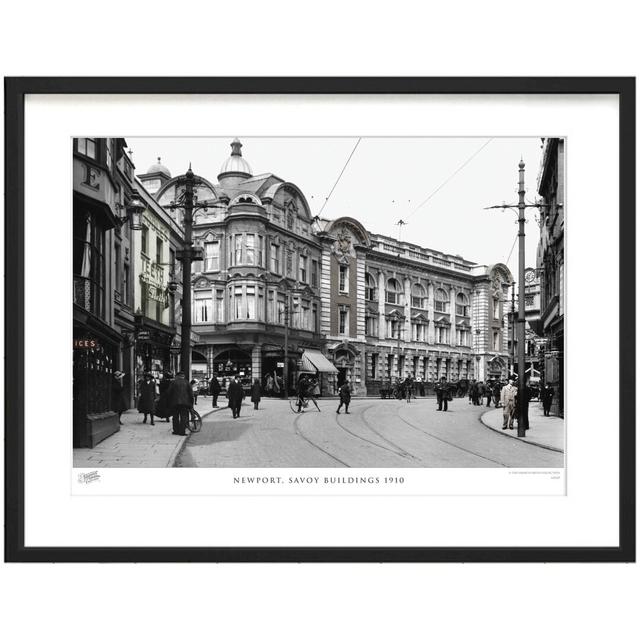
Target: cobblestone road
{"x":376,"y":434}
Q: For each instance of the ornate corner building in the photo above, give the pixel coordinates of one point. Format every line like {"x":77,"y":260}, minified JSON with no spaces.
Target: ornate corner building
{"x":364,"y":307}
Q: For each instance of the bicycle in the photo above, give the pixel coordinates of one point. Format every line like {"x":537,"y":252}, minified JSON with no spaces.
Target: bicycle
{"x":294,"y":402}
{"x":194,"y":424}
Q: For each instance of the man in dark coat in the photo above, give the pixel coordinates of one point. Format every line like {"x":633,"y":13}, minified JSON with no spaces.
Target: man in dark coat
{"x":147,"y":399}
{"x":442,"y":394}
{"x":488,"y":392}
{"x":180,"y":403}
{"x":546,"y":395}
{"x":256,"y":393}
{"x":235,"y":394}
{"x":345,"y":397}
{"x":214,"y":389}
{"x":162,"y":406}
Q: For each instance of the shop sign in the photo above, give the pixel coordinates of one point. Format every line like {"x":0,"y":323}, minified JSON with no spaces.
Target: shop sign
{"x":143,"y":336}
{"x":279,"y":364}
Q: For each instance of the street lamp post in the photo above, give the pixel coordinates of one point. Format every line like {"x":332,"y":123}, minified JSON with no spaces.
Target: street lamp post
{"x":188,"y":202}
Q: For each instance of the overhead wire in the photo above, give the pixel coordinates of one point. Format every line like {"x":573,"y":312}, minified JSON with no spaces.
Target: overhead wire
{"x":460,"y":168}
{"x":340,"y":176}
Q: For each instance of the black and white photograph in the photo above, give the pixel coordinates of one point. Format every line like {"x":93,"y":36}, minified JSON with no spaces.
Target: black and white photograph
{"x":360,"y":302}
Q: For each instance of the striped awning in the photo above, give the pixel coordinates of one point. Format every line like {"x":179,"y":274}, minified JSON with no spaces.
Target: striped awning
{"x":316,"y":362}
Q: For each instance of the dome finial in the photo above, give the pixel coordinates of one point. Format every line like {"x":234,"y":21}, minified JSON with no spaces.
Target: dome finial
{"x":236,"y":147}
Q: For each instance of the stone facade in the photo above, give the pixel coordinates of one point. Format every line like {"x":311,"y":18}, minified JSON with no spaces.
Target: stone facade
{"x":379,"y":309}
{"x":551,"y":188}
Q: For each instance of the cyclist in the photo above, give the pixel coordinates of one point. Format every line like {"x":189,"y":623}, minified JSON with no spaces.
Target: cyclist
{"x":305,"y":393}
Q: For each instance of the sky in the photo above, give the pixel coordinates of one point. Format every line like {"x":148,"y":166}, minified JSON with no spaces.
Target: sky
{"x":387,"y":179}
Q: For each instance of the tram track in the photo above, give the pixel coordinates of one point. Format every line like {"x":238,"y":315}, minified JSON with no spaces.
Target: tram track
{"x":447,"y":442}
{"x":298,"y":431}
{"x":396,"y":450}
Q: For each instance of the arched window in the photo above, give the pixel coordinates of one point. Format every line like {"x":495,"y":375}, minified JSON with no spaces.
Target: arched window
{"x":370,"y":288}
{"x":441,"y":300}
{"x":394,"y":291}
{"x":462,"y":305}
{"x":418,"y":296}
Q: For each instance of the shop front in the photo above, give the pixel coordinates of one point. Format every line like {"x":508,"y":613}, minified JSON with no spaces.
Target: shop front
{"x":153,"y":342}
{"x":233,"y":363}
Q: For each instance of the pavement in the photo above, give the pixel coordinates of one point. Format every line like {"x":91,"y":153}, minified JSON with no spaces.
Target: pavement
{"x":544,"y":431}
{"x":138,"y":444}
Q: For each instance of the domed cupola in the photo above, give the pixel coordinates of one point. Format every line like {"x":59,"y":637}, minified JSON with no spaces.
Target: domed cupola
{"x":157,"y":175}
{"x":158,"y":167}
{"x":235,"y":168}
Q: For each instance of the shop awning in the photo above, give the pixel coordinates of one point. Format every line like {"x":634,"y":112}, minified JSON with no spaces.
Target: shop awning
{"x":314,"y":361}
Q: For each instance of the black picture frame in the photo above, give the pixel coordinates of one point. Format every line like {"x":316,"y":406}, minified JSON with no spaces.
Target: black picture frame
{"x":15,"y":91}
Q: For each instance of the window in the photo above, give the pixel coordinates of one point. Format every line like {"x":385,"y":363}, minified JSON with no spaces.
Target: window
{"x":305,"y":315}
{"x":418,"y":331}
{"x":144,"y":298}
{"x":159,"y":310}
{"x":89,"y":267}
{"x":394,"y":292}
{"x":275,"y":258}
{"x":343,"y":320}
{"x":144,"y":238}
{"x":271,"y":306}
{"x":442,"y":334}
{"x":88,"y":147}
{"x":371,"y":325}
{"x":303,"y":268}
{"x":250,"y":249}
{"x":118,"y":258}
{"x":219,"y":317}
{"x":251,"y":303}
{"x":314,"y":273}
{"x":393,"y":328}
{"x":158,"y":251}
{"x":212,"y":256}
{"x":418,"y":297}
{"x":281,"y":309}
{"x":237,"y":303}
{"x":202,"y":306}
{"x":462,"y":305}
{"x":343,"y":279}
{"x":374,"y":365}
{"x":238,"y":249}
{"x":260,"y":314}
{"x":125,"y":284}
{"x":441,"y":301}
{"x":260,"y":262}
{"x":314,"y":319}
{"x":370,"y":288}
{"x":109,"y":153}
{"x":496,"y":309}
{"x":462,"y":337}
{"x":294,"y":317}
{"x":496,"y":341}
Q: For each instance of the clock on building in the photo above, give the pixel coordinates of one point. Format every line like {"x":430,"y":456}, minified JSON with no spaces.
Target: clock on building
{"x":530,"y":276}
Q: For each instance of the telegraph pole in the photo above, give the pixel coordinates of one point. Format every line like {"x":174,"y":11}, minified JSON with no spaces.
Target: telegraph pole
{"x":520,"y":209}
{"x":513,"y":328}
{"x":522,"y":390}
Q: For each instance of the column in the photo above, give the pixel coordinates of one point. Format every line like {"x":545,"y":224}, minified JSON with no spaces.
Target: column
{"x":407,"y":310}
{"x":452,"y":316}
{"x":431,"y":329}
{"x":256,"y":362}
{"x":382,"y":320}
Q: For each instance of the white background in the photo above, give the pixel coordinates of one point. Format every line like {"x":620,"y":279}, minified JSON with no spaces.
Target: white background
{"x":321,"y":601}
{"x":54,"y":517}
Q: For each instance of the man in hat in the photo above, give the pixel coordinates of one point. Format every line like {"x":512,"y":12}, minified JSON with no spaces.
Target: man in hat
{"x":508,"y":397}
{"x":180,"y":403}
{"x":442,"y":394}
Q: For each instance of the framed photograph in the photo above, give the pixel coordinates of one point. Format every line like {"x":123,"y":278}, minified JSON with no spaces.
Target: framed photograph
{"x":320,"y":319}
